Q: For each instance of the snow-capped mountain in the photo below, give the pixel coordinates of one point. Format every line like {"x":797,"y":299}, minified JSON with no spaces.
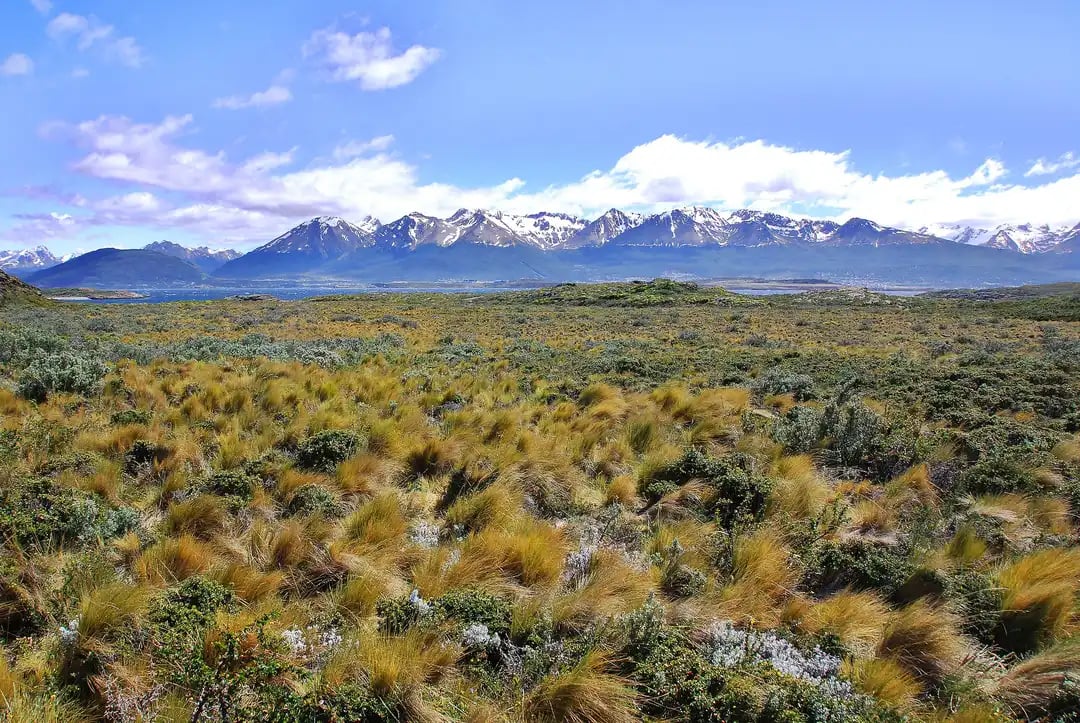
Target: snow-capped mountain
{"x":488,"y":228}
{"x":756,"y":228}
{"x":599,"y":232}
{"x":693,"y":226}
{"x":1025,"y":238}
{"x":1070,"y":242}
{"x":23,"y":261}
{"x":304,"y":247}
{"x":475,"y":243}
{"x":203,"y":257}
{"x":863,"y":232}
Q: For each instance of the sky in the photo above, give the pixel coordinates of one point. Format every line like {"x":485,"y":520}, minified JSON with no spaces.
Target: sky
{"x":226,"y":123}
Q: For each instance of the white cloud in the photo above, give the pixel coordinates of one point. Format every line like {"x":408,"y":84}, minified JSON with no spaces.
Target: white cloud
{"x":42,"y":6}
{"x":89,"y":32}
{"x":274,"y":95}
{"x":368,"y":58}
{"x":255,"y":198}
{"x":352,"y":149}
{"x":17,"y":64}
{"x":1044,"y":167}
{"x":80,"y":73}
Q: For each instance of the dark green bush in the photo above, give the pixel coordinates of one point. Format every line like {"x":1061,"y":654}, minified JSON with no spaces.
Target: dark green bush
{"x":64,"y":372}
{"x":324,"y":451}
{"x":741,"y":493}
{"x":312,"y":500}
{"x":37,"y":511}
{"x":236,"y":484}
{"x":832,"y":565}
{"x":126,"y":417}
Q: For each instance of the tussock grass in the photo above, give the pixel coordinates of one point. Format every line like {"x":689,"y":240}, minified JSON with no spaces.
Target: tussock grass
{"x":887,"y":681}
{"x":504,"y":478}
{"x":924,"y":640}
{"x":398,"y":669}
{"x":173,"y":560}
{"x":1039,"y":598}
{"x":376,"y":522}
{"x":1031,"y":686}
{"x":856,"y":618}
{"x":586,"y":693}
{"x":611,"y":587}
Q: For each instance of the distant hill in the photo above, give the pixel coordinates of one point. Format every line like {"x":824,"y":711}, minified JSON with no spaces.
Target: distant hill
{"x":1009,"y":293}
{"x":119,"y":268}
{"x":14,"y":291}
{"x":205,"y":258}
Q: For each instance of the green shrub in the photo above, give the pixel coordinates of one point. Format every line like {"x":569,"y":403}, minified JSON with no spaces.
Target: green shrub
{"x":741,"y":493}
{"x":324,"y":451}
{"x":36,"y":512}
{"x":65,"y":373}
{"x":858,"y":564}
{"x":236,"y":484}
{"x":127,"y":417}
{"x":312,"y":500}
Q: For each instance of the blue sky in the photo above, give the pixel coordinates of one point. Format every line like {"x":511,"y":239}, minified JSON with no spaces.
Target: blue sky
{"x":227,"y":122}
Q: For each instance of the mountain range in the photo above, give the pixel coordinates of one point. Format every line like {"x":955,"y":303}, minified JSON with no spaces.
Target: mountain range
{"x":480,"y":245}
{"x":202,"y":257}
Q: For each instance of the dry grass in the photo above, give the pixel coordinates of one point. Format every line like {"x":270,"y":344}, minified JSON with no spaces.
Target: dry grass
{"x":1029,"y":687}
{"x":924,"y":640}
{"x":586,"y":693}
{"x":887,"y":681}
{"x":1039,"y":595}
{"x":857,"y":619}
{"x":173,"y":560}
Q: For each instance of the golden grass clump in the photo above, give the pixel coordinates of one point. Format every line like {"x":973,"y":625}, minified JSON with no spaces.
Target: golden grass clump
{"x":857,"y":619}
{"x":398,"y":668}
{"x":378,"y":521}
{"x":924,"y":640}
{"x":173,"y":560}
{"x":1039,"y":598}
{"x":611,"y":587}
{"x":109,"y":609}
{"x":204,"y":516}
{"x":532,"y":553}
{"x":1030,"y":686}
{"x":497,"y":506}
{"x":366,"y":474}
{"x":888,"y":681}
{"x":763,"y":577}
{"x":800,"y":492}
{"x":586,"y":693}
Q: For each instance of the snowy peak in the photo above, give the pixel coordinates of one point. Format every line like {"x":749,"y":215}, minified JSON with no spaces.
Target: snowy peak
{"x":1025,"y":238}
{"x":545,"y":231}
{"x":204,"y":257}
{"x":33,"y":259}
{"x":604,"y":229}
{"x":325,"y":236}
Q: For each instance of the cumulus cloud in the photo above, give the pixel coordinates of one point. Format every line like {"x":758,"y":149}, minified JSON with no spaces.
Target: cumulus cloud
{"x":255,"y":198}
{"x":1044,"y":167}
{"x":368,"y":58}
{"x":42,"y":6}
{"x":274,"y":95}
{"x":89,"y":32}
{"x":17,"y":64}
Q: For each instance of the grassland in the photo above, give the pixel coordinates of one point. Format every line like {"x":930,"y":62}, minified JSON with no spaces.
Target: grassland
{"x":587,"y":503}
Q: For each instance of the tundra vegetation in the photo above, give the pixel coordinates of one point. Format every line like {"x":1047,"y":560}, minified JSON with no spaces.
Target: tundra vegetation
{"x":589,"y":503}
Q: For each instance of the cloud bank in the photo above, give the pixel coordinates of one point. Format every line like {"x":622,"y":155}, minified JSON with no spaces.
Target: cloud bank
{"x":249,"y":200}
